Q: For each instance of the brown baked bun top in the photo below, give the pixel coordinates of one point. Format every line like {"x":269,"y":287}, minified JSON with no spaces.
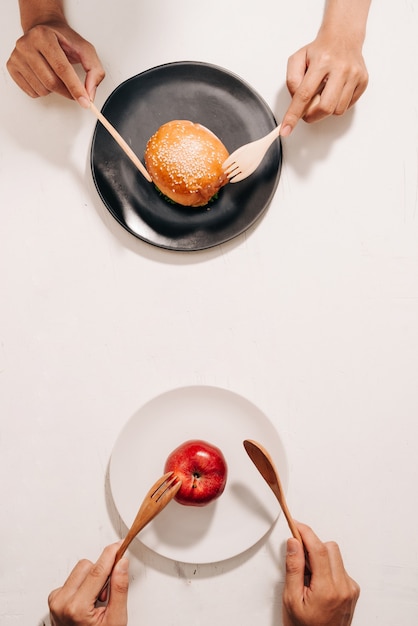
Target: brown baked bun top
{"x":184,"y":161}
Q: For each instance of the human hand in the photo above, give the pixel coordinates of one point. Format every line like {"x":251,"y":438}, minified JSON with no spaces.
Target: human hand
{"x":333,"y":69}
{"x":43,"y":58}
{"x":74,"y":604}
{"x":331,"y":596}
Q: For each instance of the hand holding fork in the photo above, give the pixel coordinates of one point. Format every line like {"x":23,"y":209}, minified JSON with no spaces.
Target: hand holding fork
{"x":154,"y":502}
{"x":246,"y":159}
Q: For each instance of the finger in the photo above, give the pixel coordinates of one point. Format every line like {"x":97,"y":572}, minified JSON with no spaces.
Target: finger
{"x":312,"y":108}
{"x":94,"y":74}
{"x":27,"y":70}
{"x":74,"y":580}
{"x":335,"y":93}
{"x":78,"y":574}
{"x":341,"y":92}
{"x":84,"y":52}
{"x":347,"y":99}
{"x":317,"y":553}
{"x":118,"y":602}
{"x":339,"y":572}
{"x":335,"y":560}
{"x":60,"y":596}
{"x":22,"y":82}
{"x":358,"y":92}
{"x":296,"y":69}
{"x":339,"y":95}
{"x":43,"y":63}
{"x":93,"y":80}
{"x":295,"y":567}
{"x":62,"y":78}
{"x":311,"y":85}
{"x":42,"y":77}
{"x":348,"y":588}
{"x":99,"y":572}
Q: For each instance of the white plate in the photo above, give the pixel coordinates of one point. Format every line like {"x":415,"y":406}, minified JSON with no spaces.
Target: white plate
{"x":246,"y":510}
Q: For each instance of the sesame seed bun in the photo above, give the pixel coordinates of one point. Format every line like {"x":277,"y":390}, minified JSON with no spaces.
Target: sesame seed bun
{"x":184,"y":161}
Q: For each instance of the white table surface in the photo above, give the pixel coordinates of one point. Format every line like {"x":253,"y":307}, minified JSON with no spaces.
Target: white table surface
{"x":312,"y":315}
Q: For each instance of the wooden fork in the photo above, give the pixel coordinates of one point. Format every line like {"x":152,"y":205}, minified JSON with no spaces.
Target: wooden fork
{"x":245,"y":160}
{"x":154,"y":502}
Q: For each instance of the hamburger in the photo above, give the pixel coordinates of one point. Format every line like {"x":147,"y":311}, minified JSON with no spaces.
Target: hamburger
{"x":185,"y":160}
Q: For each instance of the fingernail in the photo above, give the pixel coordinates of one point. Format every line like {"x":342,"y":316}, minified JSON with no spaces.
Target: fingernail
{"x":84,"y":102}
{"x":292,"y":546}
{"x":285,"y":130}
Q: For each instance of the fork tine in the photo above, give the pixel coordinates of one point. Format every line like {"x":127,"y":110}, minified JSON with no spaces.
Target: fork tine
{"x":233,"y":175}
{"x":160,"y":483}
{"x":229,"y":161}
{"x":246,"y":159}
{"x":166,"y":487}
{"x":240,"y":176}
{"x":232,"y":170}
{"x":246,"y":168}
{"x":233,"y":160}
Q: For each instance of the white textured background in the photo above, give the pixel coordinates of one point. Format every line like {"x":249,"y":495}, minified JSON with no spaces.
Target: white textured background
{"x":312,"y":315}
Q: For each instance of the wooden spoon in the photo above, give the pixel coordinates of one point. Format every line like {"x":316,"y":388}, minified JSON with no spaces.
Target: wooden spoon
{"x":119,"y":140}
{"x":264,"y":463}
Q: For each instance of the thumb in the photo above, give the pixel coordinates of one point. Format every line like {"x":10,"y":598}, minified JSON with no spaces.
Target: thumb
{"x":117,"y":607}
{"x":295,"y":567}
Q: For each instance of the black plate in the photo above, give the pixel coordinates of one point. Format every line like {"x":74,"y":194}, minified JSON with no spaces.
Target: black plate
{"x":201,"y":93}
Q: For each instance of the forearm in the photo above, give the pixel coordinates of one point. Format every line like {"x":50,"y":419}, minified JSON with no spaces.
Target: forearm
{"x":347,"y":16}
{"x":33,"y":12}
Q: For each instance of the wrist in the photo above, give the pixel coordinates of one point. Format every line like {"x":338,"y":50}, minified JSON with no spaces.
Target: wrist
{"x":34,"y":13}
{"x":346,"y":19}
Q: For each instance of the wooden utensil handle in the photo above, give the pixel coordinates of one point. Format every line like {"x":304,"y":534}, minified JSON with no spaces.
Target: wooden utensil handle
{"x":120,"y":141}
{"x":103,"y":594}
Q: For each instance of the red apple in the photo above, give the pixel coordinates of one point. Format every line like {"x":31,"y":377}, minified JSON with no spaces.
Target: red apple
{"x":202,"y":469}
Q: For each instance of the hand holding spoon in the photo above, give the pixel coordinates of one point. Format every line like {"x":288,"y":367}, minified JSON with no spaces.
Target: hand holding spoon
{"x":264,"y":463}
